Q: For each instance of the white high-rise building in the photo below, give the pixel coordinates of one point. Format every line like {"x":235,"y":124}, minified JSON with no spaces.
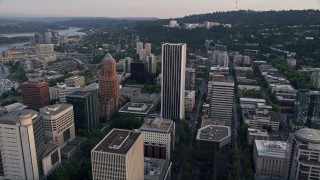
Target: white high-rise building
{"x":147,"y":46}
{"x":58,"y":123}
{"x":142,"y":55}
{"x":139,"y":47}
{"x":21,"y":145}
{"x":173,"y":80}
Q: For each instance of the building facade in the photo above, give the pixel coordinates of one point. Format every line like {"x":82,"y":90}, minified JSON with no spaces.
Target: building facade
{"x":256,"y":134}
{"x":58,"y":123}
{"x":86,"y":109}
{"x":35,"y":94}
{"x":75,"y":81}
{"x":119,"y":156}
{"x":173,"y":80}
{"x":159,"y":137}
{"x":269,"y":158}
{"x":108,"y":88}
{"x":190,"y":79}
{"x":303,"y":155}
{"x":221,"y":92}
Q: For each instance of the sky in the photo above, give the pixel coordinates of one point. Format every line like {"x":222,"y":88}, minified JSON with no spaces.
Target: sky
{"x":142,"y":8}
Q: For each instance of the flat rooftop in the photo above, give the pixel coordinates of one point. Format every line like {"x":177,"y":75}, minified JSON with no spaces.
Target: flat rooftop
{"x":155,"y":169}
{"x":49,"y":148}
{"x":118,"y":141}
{"x":15,"y":117}
{"x":276,"y":149}
{"x":157,"y":124}
{"x":215,"y":133}
{"x":136,"y":108}
{"x":54,"y":109}
{"x":145,"y":97}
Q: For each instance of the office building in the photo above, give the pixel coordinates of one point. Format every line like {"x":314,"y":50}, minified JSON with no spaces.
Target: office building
{"x":220,"y":58}
{"x":151,"y":63}
{"x":35,"y":94}
{"x":38,"y":38}
{"x":22,"y":145}
{"x":108,"y":88}
{"x":315,"y":78}
{"x":212,"y":151}
{"x":260,"y":118}
{"x":75,"y":81}
{"x":142,"y":55}
{"x":147,"y":47}
{"x":307,"y":110}
{"x":303,"y":156}
{"x":127,"y":65}
{"x":61,"y":91}
{"x":86,"y":109}
{"x":256,"y":134}
{"x":269,"y":158}
{"x":139,"y":47}
{"x":173,"y":80}
{"x":190,"y":101}
{"x":58,"y":123}
{"x":190,"y":81}
{"x":139,"y":72}
{"x":159,"y":137}
{"x":221,"y":92}
{"x":139,"y":109}
{"x":119,"y":156}
{"x":157,"y":169}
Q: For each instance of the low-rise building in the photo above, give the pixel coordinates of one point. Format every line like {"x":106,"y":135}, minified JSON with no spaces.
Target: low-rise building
{"x":139,"y":109}
{"x":256,"y":134}
{"x":75,"y":81}
{"x":269,"y":158}
{"x":260,"y":118}
{"x":146,"y":98}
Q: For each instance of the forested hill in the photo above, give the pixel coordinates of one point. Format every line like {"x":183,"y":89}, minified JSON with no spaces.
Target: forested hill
{"x":292,"y":17}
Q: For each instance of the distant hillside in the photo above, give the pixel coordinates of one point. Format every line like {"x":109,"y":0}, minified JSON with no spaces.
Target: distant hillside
{"x":292,"y":17}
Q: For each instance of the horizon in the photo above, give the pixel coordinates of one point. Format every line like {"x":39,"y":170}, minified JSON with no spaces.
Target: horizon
{"x":144,"y":8}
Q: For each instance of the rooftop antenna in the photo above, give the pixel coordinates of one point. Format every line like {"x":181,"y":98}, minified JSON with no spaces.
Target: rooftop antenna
{"x":236,"y":4}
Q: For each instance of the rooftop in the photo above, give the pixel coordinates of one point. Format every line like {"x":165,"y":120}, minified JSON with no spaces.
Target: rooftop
{"x":155,"y":169}
{"x":146,"y":97}
{"x":49,"y":148}
{"x":118,"y":141}
{"x":310,"y":135}
{"x":15,"y":117}
{"x":259,"y":132}
{"x":157,"y":124}
{"x":271,"y":148}
{"x":136,"y":108}
{"x":107,"y":57}
{"x":54,"y":109}
{"x":215,"y":133}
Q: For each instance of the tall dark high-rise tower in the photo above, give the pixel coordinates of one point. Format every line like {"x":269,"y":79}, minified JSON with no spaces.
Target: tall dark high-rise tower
{"x":173,"y":80}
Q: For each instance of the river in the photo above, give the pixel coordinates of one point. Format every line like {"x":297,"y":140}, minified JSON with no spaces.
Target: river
{"x":72,"y":31}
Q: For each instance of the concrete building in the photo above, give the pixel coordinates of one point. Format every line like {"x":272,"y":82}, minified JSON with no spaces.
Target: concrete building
{"x":221,"y":58}
{"x":307,"y":110}
{"x":75,"y":81}
{"x":173,"y":80}
{"x":119,"y":156}
{"x":190,"y":101}
{"x":108,"y":88}
{"x":151,"y":63}
{"x":142,"y":55}
{"x":173,"y":23}
{"x":139,"y":46}
{"x":315,"y":78}
{"x":147,"y":47}
{"x":256,"y":134}
{"x":146,"y":98}
{"x":221,"y":92}
{"x":61,"y":91}
{"x":86,"y":109}
{"x":22,"y":145}
{"x":213,"y":147}
{"x":159,"y":137}
{"x":35,"y":94}
{"x":58,"y":123}
{"x":127,"y":64}
{"x":139,"y":109}
{"x":303,"y":155}
{"x":259,"y":118}
{"x":269,"y":158}
{"x":190,"y":81}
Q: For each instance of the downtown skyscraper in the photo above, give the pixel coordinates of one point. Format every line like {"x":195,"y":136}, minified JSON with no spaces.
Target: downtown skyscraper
{"x":173,"y":80}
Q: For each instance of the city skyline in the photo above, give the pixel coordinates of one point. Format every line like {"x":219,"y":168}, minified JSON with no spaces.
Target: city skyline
{"x":142,"y":8}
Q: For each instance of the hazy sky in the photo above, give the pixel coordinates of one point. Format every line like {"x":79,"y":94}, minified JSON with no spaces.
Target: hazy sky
{"x":142,"y":8}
